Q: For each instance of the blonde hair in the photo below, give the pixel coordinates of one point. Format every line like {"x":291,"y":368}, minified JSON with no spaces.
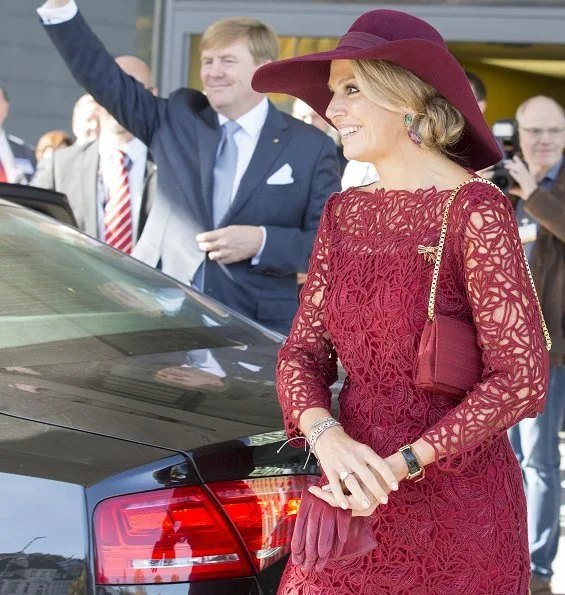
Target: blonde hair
{"x":261,"y":39}
{"x":51,"y":141}
{"x":438,"y":123}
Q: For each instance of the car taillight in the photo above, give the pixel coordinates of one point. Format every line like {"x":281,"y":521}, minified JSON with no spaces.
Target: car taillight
{"x":264,"y":513}
{"x":185,"y":534}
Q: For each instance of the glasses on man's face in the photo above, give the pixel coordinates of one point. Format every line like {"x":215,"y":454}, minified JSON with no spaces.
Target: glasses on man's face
{"x":537,"y":133}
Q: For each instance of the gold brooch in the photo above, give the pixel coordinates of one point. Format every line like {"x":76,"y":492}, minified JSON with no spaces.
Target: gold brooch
{"x":429,"y":252}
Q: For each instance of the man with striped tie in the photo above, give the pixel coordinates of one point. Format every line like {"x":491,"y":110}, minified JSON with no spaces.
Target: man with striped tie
{"x":110,"y":183}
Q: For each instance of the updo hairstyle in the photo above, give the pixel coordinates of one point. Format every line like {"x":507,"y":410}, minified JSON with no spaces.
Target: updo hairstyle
{"x":438,"y":123}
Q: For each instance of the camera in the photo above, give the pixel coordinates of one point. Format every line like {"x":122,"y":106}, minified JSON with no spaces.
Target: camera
{"x":506,"y":133}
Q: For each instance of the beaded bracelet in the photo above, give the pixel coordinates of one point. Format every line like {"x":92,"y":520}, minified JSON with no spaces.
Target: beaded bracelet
{"x":317,"y":423}
{"x":318,"y":431}
{"x":313,"y":433}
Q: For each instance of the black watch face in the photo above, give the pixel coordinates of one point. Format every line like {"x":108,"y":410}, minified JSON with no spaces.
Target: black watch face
{"x":411,"y":462}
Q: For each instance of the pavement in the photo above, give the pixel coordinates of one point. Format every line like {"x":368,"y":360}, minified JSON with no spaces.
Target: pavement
{"x":558,"y":582}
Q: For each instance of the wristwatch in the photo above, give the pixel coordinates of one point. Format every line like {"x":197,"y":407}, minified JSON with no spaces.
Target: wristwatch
{"x":416,"y":471}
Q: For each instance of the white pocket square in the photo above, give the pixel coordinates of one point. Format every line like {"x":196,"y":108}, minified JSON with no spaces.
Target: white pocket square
{"x":283,"y":175}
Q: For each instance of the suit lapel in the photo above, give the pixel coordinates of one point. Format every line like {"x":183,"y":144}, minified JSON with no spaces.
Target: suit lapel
{"x":272,"y":140}
{"x":208,"y":137}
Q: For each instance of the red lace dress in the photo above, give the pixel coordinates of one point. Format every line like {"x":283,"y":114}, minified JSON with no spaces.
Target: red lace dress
{"x":463,"y":529}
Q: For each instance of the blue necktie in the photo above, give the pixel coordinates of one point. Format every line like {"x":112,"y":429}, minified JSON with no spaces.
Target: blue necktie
{"x":224,"y":175}
{"x":224,"y":171}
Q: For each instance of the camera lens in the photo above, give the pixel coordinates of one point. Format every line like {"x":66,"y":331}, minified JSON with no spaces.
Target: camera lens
{"x":502,"y":178}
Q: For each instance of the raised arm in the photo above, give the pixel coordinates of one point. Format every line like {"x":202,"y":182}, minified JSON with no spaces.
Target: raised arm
{"x":508,"y":327}
{"x":134,"y":106}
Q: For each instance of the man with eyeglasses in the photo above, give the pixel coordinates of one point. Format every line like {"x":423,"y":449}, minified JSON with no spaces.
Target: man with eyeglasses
{"x":540,"y":210}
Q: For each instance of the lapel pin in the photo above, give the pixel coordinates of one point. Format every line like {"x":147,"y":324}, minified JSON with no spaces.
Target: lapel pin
{"x":276,"y":140}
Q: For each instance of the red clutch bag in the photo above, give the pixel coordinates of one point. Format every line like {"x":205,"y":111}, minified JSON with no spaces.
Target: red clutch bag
{"x":449,"y":356}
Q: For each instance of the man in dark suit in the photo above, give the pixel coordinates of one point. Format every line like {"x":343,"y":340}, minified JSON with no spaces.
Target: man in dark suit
{"x":17,"y":160}
{"x":85,"y":173}
{"x":241,"y":185}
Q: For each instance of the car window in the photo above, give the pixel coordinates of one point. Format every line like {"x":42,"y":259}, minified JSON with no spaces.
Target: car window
{"x":58,"y":286}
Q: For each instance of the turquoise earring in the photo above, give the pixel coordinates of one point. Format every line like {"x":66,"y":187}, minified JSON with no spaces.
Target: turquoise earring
{"x":412,"y":134}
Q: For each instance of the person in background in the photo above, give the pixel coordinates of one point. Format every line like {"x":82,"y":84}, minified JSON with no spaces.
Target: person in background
{"x":17,"y":160}
{"x":302,"y":111}
{"x":110,"y":182}
{"x":50,"y":142}
{"x":539,"y":200}
{"x":358,"y":174}
{"x":479,"y":89}
{"x":241,"y":184}
{"x":85,"y":120}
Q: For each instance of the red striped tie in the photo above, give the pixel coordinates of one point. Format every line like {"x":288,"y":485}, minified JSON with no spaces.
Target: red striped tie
{"x":118,"y":222}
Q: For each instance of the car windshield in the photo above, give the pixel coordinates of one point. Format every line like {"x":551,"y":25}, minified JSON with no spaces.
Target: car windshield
{"x":60,"y":288}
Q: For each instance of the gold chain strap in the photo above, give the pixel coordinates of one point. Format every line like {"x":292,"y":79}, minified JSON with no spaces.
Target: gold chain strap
{"x":433,"y":291}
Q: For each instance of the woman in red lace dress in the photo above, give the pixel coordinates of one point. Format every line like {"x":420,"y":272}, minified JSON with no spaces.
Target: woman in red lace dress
{"x":401,"y":102}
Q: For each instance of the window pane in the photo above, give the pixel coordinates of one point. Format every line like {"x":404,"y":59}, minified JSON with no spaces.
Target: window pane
{"x":145,"y":31}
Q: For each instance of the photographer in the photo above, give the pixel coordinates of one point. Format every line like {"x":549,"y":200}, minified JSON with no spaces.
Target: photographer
{"x":539,"y":199}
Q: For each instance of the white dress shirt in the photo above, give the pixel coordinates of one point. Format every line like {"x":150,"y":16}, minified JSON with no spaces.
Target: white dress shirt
{"x":14,"y":173}
{"x":137,"y":152}
{"x":358,"y":173}
{"x":246,"y":139}
{"x":54,"y":16}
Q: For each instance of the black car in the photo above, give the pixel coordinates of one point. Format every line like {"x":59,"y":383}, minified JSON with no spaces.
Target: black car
{"x":139,"y":427}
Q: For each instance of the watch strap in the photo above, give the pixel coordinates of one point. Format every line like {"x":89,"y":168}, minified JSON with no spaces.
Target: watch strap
{"x":415,"y":470}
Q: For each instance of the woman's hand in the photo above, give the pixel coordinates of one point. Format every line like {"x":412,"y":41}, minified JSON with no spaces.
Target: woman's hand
{"x":397,"y":465}
{"x":325,"y":494}
{"x":367,"y":478}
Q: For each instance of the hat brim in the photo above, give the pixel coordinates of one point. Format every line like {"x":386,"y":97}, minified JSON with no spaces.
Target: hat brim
{"x":306,"y":77}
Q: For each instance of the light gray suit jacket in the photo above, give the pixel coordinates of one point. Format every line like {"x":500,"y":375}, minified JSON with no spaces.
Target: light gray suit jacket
{"x":74,"y":172}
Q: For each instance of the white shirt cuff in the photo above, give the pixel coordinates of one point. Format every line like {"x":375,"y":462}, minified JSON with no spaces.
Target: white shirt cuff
{"x":256,"y":259}
{"x":56,"y":16}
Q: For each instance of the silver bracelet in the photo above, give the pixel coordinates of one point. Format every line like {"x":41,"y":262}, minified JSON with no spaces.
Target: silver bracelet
{"x":319,"y":430}
{"x":317,"y":423}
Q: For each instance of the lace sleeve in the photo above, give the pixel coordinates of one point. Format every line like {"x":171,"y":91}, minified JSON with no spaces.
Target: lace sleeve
{"x":508,"y":327}
{"x":307,"y":364}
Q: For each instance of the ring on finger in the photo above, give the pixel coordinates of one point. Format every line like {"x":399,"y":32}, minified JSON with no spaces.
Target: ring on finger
{"x":343,"y":475}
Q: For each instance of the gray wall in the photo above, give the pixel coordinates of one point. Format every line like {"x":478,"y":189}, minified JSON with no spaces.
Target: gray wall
{"x":41,"y":91}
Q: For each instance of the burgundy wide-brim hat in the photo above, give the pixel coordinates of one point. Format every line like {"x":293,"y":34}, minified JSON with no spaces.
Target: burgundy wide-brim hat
{"x":404,"y":40}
